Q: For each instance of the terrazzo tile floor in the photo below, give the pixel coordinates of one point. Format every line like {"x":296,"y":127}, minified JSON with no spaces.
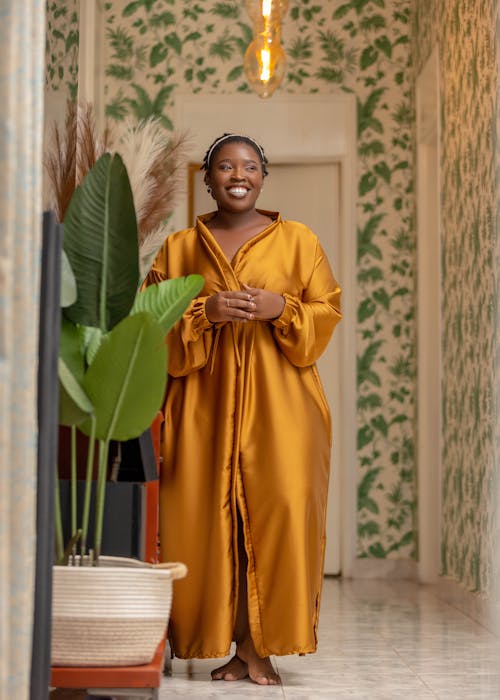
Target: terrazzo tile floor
{"x":378,"y":640}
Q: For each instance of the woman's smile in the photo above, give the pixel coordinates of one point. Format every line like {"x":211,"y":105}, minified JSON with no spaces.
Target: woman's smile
{"x":237,"y":191}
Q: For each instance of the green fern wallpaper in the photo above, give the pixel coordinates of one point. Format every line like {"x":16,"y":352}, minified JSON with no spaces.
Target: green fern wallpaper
{"x":465,"y":31}
{"x":61,"y":46}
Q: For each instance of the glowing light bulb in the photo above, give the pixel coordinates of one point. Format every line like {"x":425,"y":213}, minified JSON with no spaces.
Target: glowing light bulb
{"x":264,"y":64}
{"x":265,"y":61}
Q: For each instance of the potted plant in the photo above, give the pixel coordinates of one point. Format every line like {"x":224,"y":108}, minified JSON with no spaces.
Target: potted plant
{"x":113,"y":370}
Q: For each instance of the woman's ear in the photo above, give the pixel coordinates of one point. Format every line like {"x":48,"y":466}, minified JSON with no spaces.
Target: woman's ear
{"x":206,"y":180}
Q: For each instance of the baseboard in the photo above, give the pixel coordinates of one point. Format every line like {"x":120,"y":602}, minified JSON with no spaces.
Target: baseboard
{"x":385,"y":569}
{"x":474,"y":605}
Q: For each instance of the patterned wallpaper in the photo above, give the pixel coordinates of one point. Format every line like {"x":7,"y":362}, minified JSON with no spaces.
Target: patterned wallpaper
{"x":465,"y":31}
{"x":61,"y":46}
{"x":156,"y":47}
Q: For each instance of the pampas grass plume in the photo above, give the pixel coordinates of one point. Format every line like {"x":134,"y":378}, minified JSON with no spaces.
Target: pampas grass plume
{"x":153,"y":165}
{"x":152,"y":158}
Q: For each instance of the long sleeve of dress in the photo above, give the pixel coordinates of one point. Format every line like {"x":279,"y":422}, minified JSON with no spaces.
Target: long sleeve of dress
{"x":190,"y":340}
{"x":305,"y":325}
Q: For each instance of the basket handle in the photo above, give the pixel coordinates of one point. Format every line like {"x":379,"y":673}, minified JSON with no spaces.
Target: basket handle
{"x":177,"y":569}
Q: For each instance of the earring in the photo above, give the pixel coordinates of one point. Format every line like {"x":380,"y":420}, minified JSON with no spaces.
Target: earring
{"x":209,"y":190}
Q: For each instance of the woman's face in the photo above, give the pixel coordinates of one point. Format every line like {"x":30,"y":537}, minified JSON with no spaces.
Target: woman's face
{"x":235,"y":177}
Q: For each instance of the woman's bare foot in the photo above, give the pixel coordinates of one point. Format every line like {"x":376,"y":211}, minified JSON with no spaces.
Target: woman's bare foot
{"x":260,"y":670}
{"x":235,"y":670}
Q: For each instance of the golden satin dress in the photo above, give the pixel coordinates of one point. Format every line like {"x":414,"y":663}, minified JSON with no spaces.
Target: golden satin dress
{"x":247,"y":428}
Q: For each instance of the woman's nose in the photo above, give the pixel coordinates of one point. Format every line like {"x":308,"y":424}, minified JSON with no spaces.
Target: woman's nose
{"x":238,"y":174}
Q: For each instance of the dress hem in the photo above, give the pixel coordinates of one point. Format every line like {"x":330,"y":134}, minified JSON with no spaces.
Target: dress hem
{"x":223,"y":654}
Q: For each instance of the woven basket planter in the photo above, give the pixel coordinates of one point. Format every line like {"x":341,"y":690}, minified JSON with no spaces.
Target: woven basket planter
{"x":115,"y":614}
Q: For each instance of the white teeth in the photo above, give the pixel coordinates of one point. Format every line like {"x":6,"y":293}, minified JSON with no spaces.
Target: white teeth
{"x":237,"y":191}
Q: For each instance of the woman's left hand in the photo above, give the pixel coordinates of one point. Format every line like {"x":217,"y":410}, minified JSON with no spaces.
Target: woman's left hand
{"x":268,"y":305}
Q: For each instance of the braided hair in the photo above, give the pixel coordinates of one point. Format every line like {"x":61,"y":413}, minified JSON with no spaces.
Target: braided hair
{"x":233,"y":138}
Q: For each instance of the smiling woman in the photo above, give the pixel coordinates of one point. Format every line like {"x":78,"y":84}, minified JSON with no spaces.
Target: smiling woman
{"x":247,"y":427}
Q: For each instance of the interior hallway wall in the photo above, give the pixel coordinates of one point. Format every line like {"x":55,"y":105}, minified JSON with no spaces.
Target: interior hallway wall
{"x":465,"y":33}
{"x":158,"y":49}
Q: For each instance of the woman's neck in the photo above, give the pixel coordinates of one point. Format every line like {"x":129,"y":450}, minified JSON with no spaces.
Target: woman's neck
{"x":233,"y":220}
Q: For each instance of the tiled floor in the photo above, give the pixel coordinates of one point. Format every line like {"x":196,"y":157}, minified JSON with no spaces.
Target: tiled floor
{"x":377,"y":640}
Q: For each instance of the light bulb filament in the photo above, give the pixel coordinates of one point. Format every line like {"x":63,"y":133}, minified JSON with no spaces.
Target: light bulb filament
{"x":266,"y":8}
{"x":265,"y":59}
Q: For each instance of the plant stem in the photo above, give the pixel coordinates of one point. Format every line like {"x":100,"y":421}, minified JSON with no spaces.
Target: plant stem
{"x":100,"y":496}
{"x":73,"y":482}
{"x":88,"y":486}
{"x":58,"y":521}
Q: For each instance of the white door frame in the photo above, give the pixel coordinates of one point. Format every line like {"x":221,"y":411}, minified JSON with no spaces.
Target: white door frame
{"x":429,"y":321}
{"x":301,"y":128}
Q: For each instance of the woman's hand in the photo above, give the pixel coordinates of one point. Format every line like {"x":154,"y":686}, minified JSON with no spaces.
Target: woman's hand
{"x":230,"y":306}
{"x":268,"y":305}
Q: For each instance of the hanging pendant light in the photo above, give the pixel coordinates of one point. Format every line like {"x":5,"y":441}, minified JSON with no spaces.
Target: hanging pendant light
{"x":265,"y":61}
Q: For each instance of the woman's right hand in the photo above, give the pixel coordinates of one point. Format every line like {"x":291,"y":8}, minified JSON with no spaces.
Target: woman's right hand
{"x":229,"y":306}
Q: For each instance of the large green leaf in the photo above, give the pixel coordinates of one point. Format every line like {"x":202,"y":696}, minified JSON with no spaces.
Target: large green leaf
{"x":126,"y":381}
{"x":100,"y":240}
{"x":91,"y":340}
{"x":71,"y":349}
{"x":74,"y":404}
{"x":68,"y":282}
{"x":168,"y":300}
